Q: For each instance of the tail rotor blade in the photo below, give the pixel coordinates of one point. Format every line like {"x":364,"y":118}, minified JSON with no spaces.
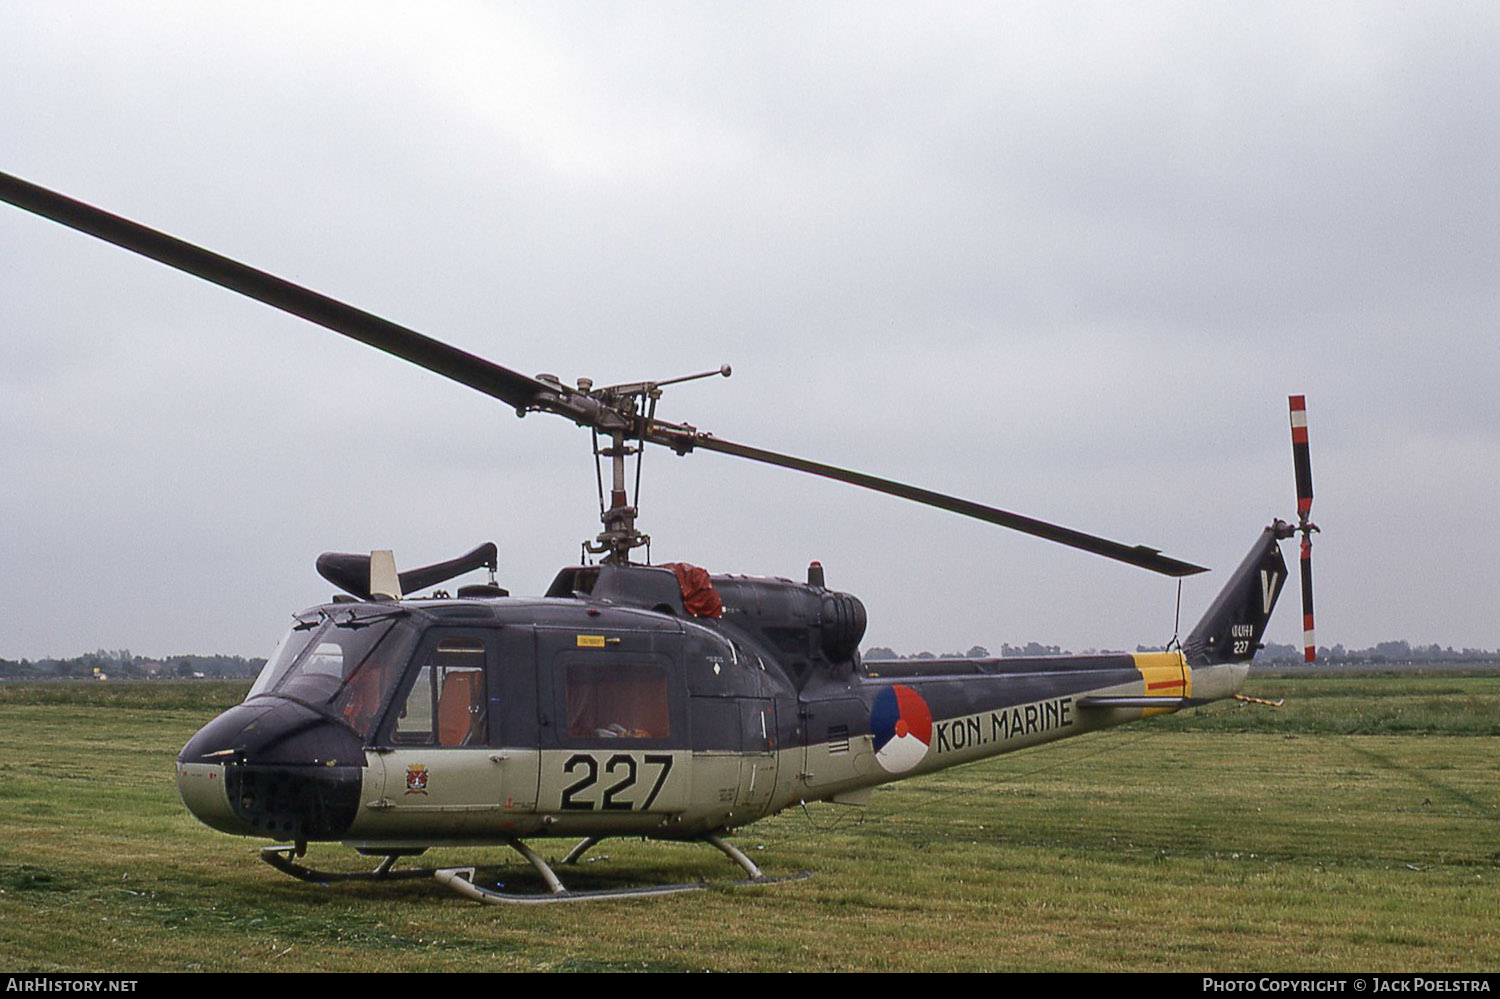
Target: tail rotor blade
{"x":1301,"y":459}
{"x":1309,"y":642}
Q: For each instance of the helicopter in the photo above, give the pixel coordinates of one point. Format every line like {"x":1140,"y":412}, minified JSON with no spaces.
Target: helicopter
{"x":631,"y":698}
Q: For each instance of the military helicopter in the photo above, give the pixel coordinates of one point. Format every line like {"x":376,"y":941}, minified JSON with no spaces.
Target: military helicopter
{"x":630,"y":699}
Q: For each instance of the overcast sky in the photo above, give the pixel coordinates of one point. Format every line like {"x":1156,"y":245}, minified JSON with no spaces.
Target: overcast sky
{"x":1065,"y":259}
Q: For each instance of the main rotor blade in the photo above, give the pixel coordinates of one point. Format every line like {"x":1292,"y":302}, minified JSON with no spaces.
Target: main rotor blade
{"x":493,"y":380}
{"x":520,"y":391}
{"x":1138,"y":555}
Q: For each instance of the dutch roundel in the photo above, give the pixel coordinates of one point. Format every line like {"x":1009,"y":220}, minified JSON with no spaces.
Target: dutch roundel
{"x":901,"y":724}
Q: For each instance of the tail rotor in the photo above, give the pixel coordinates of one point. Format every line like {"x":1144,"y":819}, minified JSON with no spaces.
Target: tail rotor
{"x":1302,"y":461}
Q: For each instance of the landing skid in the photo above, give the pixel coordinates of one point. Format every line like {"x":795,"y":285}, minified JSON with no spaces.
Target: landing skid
{"x":280,"y":857}
{"x":461,"y":879}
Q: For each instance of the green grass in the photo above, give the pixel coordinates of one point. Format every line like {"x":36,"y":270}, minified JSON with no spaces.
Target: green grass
{"x":1227,"y":839}
{"x":1351,"y":704}
{"x":208,"y":695}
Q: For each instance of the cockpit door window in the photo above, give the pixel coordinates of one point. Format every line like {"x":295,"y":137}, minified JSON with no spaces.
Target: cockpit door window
{"x":446,"y":704}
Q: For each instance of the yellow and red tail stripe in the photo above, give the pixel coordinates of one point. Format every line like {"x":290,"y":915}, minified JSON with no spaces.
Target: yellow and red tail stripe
{"x":1164,"y":675}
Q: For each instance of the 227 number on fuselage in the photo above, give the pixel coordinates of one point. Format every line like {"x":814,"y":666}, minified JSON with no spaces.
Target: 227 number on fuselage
{"x":621,"y":773}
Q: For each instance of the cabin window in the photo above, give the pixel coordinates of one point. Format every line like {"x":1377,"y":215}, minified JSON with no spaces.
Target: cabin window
{"x":617,"y":701}
{"x":363,"y":693}
{"x":446,"y":705}
{"x":343,"y":669}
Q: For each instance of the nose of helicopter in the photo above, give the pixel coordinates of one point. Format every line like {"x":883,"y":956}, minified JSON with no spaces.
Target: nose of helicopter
{"x":201,"y":787}
{"x":273,"y":768}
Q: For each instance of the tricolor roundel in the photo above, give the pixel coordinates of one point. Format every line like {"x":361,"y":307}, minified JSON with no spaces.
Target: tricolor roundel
{"x":901,"y":723}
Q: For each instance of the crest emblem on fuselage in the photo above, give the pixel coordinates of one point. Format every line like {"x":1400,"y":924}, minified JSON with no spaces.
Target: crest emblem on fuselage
{"x":416,"y":779}
{"x":901,"y":724}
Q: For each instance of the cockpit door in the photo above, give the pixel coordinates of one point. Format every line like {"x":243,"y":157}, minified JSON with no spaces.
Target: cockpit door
{"x":457,"y":746}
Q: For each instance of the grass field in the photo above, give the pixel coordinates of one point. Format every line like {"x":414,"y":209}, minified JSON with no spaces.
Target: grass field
{"x":1358,"y":828}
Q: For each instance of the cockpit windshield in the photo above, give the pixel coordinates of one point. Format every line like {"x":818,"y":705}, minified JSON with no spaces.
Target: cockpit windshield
{"x":343,"y":668}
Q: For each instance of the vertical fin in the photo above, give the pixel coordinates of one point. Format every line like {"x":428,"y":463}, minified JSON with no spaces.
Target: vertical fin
{"x":1232,"y":627}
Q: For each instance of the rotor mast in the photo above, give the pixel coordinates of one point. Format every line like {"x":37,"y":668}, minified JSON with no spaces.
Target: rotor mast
{"x":620,"y":536}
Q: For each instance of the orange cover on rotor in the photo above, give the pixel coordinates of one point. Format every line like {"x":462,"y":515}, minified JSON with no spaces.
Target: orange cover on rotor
{"x":698,"y":593}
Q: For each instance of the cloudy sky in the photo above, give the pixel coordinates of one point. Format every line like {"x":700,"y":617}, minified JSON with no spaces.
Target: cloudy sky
{"x":1066,"y":259}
